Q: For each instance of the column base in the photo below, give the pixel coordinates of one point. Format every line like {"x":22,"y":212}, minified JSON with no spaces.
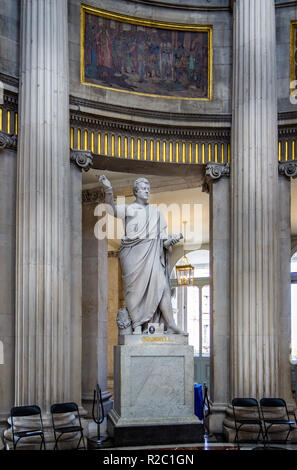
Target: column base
{"x":216,"y":418}
{"x":67,"y":441}
{"x":87,"y":402}
{"x":251,"y":432}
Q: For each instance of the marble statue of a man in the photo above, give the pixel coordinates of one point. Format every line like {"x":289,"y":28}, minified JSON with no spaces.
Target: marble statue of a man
{"x":144,"y":258}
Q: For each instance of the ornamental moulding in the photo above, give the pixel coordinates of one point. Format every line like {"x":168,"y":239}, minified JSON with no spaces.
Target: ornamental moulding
{"x":288,"y":168}
{"x":90,"y":123}
{"x":93,"y":196}
{"x":213,"y":172}
{"x":83,"y":159}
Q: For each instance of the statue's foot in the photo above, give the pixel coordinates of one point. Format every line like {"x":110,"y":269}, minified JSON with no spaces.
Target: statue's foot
{"x":137,"y":330}
{"x":175,"y":330}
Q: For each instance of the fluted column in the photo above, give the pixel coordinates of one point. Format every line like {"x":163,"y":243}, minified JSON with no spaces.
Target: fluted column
{"x":94,"y":303}
{"x":254,"y":203}
{"x":43,"y":267}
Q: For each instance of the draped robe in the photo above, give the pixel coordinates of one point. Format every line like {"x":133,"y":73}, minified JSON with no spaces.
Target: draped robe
{"x":144,"y":261}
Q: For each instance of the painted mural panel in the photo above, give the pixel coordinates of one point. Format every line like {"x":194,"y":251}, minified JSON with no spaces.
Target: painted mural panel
{"x":150,"y":60}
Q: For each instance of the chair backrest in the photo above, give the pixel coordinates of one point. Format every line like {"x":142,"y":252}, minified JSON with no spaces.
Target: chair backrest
{"x":245,"y":402}
{"x":272,"y":402}
{"x":64,"y":408}
{"x":29,"y":410}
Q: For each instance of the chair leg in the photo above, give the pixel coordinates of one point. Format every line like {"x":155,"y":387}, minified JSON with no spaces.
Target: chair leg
{"x":237,"y":437}
{"x":56,"y":443}
{"x":15,"y":443}
{"x":83,"y":440}
{"x":42,"y":442}
{"x":287,"y":436}
{"x":79,"y":442}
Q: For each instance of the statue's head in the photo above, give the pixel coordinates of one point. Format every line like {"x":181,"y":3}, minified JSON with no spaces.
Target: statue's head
{"x":141,"y":188}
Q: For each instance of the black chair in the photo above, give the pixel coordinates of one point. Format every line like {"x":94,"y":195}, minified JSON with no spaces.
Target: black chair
{"x":71,"y":407}
{"x":21,"y":411}
{"x":252,"y":404}
{"x":266,"y":405}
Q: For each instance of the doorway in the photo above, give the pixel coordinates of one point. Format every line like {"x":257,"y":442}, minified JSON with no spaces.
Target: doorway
{"x":191,"y":306}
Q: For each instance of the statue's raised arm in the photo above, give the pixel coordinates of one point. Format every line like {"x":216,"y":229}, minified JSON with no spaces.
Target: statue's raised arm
{"x":108,"y":192}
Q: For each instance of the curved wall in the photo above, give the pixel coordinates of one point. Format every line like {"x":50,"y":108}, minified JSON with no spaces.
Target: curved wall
{"x":221,"y":20}
{"x":209,"y":12}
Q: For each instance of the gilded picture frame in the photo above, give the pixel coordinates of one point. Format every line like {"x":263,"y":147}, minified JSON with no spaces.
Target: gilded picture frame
{"x":293,"y":51}
{"x":156,"y":25}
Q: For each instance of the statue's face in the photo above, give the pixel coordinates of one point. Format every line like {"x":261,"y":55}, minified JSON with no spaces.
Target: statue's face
{"x":143,"y":191}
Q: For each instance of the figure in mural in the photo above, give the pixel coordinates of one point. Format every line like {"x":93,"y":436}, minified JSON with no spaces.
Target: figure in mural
{"x":144,"y":257}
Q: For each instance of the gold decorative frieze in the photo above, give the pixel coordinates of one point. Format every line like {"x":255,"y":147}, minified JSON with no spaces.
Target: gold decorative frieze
{"x":173,"y":149}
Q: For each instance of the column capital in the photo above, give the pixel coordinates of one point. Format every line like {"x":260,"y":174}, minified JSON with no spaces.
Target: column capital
{"x":213,"y":172}
{"x":8,"y":141}
{"x":288,"y":168}
{"x":83,"y":159}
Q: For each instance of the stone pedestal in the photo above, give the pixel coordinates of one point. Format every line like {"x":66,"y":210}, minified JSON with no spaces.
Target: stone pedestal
{"x":154,"y":391}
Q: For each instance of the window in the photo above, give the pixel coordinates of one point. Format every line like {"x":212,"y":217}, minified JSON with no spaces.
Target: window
{"x":191,"y":304}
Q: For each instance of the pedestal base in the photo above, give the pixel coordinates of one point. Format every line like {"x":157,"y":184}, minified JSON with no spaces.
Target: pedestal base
{"x":154,"y":392}
{"x":154,"y":434}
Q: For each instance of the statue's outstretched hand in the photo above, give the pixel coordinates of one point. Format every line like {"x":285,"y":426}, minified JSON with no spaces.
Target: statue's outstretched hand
{"x":176,"y":238}
{"x":104,"y":181}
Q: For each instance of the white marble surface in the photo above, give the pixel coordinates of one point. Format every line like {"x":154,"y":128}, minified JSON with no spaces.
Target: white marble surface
{"x":220,"y":299}
{"x":7,"y":278}
{"x":153,"y":384}
{"x":43,"y":255}
{"x":255,"y":367}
